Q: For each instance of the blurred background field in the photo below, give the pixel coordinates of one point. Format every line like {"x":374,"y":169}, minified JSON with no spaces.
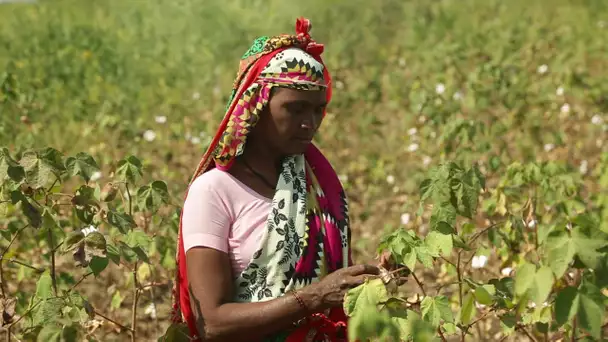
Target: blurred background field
{"x":417,"y":82}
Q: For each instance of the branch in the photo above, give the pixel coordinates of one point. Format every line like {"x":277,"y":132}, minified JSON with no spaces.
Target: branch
{"x":130,"y":200}
{"x":113,"y":321}
{"x":15,"y":261}
{"x":24,"y":314}
{"x":525,"y":331}
{"x":419,"y":284}
{"x":80,"y":281}
{"x":2,"y":284}
{"x":441,"y":334}
{"x":135,"y":299}
{"x":53,"y":276}
{"x":478,"y":234}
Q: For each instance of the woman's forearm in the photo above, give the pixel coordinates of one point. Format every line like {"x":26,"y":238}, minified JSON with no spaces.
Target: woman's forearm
{"x":253,"y":321}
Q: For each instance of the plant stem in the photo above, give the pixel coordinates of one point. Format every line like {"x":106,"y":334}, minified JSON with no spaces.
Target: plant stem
{"x":134,"y":307}
{"x":24,"y":314}
{"x":480,"y":233}
{"x":15,"y":261}
{"x":53,"y":278}
{"x":130,"y":201}
{"x":573,"y":337}
{"x":112,"y":321}
{"x":80,"y":281}
{"x":10,"y":243}
{"x":441,"y":334}
{"x":419,"y":284}
{"x":525,"y":331}
{"x":463,"y":331}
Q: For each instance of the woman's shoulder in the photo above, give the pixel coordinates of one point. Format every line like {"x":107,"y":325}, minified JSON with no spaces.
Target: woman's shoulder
{"x":214,"y":180}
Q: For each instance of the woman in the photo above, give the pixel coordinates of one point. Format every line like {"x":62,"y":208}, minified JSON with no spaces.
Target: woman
{"x":264,"y":245}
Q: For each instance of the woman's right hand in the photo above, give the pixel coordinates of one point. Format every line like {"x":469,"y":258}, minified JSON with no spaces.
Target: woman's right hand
{"x":330,"y":290}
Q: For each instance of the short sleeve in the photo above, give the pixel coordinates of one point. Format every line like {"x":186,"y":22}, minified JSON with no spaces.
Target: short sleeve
{"x":205,"y":219}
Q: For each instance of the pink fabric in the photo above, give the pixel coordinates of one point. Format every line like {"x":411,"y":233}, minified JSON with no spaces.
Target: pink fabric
{"x":222,"y":213}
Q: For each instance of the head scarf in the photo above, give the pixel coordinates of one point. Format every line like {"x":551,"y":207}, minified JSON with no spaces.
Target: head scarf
{"x":307,"y":233}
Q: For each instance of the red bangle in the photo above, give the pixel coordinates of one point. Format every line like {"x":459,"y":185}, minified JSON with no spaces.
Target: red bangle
{"x":300,"y":301}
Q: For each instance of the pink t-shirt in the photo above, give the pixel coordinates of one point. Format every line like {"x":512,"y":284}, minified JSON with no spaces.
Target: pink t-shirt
{"x":222,"y":213}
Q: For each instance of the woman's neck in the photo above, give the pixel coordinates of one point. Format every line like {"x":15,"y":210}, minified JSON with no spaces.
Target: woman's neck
{"x":262,"y":159}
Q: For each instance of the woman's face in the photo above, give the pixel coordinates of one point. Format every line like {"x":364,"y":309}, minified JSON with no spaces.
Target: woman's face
{"x":291,"y":119}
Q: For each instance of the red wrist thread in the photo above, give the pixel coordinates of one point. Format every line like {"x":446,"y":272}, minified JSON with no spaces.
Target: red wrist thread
{"x":300,"y":301}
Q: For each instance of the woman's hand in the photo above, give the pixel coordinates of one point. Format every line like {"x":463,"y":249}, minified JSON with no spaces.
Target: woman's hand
{"x":330,"y":291}
{"x":387,"y":262}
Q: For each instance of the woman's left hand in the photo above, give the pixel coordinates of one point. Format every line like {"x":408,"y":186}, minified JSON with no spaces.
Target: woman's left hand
{"x":388,"y":263}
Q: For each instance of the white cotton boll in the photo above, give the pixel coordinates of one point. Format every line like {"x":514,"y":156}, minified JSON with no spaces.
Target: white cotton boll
{"x":549,"y":147}
{"x":569,"y":226}
{"x":196,"y":95}
{"x":195,"y":140}
{"x":412,"y":131}
{"x":559,"y":91}
{"x":405,"y":218}
{"x":149,"y":135}
{"x":506,"y":271}
{"x":88,"y":230}
{"x":401,"y":62}
{"x":571,"y":274}
{"x":339,"y":85}
{"x":161,"y":119}
{"x":440,"y":88}
{"x":390,"y":179}
{"x":545,"y":304}
{"x":433,"y":134}
{"x":426,"y":160}
{"x":542,"y":69}
{"x":565,"y":108}
{"x":479,"y":261}
{"x":479,"y":305}
{"x":596,"y":119}
{"x":95,"y":176}
{"x":421,"y":118}
{"x":531,"y":305}
{"x":532,"y":224}
{"x":151,"y":310}
{"x":413,"y":147}
{"x":457,"y":96}
{"x":584,"y":167}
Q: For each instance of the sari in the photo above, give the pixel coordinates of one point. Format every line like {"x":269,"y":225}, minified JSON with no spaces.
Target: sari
{"x":307,"y":234}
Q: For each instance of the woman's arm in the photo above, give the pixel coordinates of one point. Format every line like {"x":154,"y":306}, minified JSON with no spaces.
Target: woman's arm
{"x":211,"y":289}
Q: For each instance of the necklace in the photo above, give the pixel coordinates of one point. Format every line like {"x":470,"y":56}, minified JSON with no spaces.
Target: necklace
{"x":266,"y":182}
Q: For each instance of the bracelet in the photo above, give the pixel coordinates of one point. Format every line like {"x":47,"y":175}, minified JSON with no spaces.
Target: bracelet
{"x":300,"y":301}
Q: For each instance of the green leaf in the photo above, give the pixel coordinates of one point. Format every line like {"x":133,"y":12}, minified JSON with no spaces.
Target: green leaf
{"x":560,"y":252}
{"x":95,"y":245}
{"x":439,"y":243}
{"x":83,"y":165}
{"x":587,"y":248}
{"x":72,"y":241}
{"x":372,"y":325}
{"x":129,"y":170}
{"x":508,"y":322}
{"x":485,"y":294}
{"x":50,"y":333}
{"x":176,"y":332}
{"x":137,"y":238}
{"x":49,"y":310}
{"x":152,"y":196}
{"x":524,"y":277}
{"x":591,"y":310}
{"x":32,"y":213}
{"x":435,"y":309}
{"x":468,"y":310}
{"x":97,"y":265}
{"x":123,"y":221}
{"x":541,"y":287}
{"x":113,"y":253}
{"x":116,"y":300}
{"x":365,"y":297}
{"x":442,"y":212}
{"x":71,"y":333}
{"x":44,"y":286}
{"x":9,"y":168}
{"x":42,"y":167}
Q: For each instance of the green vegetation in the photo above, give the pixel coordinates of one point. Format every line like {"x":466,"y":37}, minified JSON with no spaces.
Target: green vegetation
{"x":471,"y":137}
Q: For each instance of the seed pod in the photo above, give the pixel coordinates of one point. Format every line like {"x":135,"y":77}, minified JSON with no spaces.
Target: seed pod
{"x":109,"y":191}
